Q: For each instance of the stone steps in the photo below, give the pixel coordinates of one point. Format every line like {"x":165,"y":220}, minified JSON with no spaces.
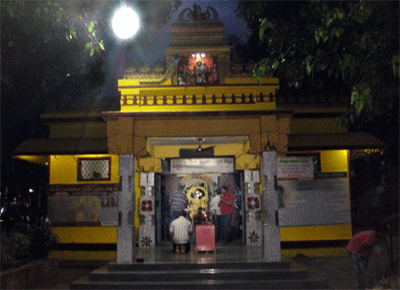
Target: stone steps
{"x":196,"y":266}
{"x":84,"y":283}
{"x":235,"y":275}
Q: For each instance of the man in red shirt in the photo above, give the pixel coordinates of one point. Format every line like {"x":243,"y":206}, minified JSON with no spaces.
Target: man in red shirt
{"x":226,"y":205}
{"x":359,"y":248}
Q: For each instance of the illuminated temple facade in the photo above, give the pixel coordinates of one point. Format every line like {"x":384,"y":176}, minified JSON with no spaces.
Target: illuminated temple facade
{"x":201,"y":122}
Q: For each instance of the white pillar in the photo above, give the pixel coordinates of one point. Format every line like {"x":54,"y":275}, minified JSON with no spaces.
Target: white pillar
{"x":126,"y":238}
{"x":271,"y":233}
{"x":252,"y":207}
{"x":147,"y":227}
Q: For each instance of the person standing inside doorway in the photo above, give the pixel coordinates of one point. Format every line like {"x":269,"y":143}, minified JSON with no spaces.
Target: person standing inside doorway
{"x":216,"y":214}
{"x":226,"y":204}
{"x":178,"y":202}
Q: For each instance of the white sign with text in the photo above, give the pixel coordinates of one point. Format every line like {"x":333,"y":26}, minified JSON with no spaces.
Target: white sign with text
{"x":295,"y":168}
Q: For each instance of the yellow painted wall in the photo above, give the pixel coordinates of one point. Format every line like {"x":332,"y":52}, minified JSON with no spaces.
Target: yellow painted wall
{"x":85,"y":235}
{"x":316,"y":233}
{"x":334,"y":160}
{"x":96,"y":235}
{"x":64,"y":169}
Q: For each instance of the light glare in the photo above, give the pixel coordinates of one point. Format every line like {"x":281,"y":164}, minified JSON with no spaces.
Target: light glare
{"x":125,"y":23}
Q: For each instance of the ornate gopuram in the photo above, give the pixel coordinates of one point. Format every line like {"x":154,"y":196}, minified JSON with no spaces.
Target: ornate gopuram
{"x":196,"y":123}
{"x":198,"y":111}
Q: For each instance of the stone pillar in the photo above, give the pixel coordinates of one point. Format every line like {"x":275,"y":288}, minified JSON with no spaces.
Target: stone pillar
{"x":271,"y":233}
{"x":147,"y":227}
{"x":126,"y":238}
{"x":252,"y":207}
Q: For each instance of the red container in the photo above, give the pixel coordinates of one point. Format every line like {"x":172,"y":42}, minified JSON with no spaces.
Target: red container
{"x":205,"y":238}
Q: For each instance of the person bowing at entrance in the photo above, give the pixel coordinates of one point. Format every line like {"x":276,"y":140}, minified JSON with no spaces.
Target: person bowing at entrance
{"x":226,"y":204}
{"x":180,"y":231}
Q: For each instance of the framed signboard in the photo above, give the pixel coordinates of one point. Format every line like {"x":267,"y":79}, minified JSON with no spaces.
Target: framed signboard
{"x":203,"y":165}
{"x":295,"y":167}
{"x":324,"y":200}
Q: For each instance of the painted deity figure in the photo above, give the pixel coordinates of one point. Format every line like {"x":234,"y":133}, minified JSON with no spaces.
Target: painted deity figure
{"x":197,"y":194}
{"x":201,"y":72}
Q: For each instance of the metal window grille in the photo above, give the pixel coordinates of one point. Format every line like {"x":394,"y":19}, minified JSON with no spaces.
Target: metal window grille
{"x":94,"y":169}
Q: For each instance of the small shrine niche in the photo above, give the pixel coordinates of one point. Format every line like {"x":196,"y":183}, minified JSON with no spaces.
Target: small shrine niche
{"x":198,"y":41}
{"x":198,"y":69}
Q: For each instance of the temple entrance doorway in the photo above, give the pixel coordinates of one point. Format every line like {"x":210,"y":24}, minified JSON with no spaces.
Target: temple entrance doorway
{"x":200,"y":189}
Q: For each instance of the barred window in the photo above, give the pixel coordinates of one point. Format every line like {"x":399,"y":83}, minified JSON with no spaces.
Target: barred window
{"x":94,"y":169}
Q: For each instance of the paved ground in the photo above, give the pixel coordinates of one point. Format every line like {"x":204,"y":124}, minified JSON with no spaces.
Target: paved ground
{"x":65,"y":277}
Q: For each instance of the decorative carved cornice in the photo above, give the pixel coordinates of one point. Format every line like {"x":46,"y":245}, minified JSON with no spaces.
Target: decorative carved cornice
{"x":144,"y":70}
{"x":199,"y":29}
{"x":136,"y":100}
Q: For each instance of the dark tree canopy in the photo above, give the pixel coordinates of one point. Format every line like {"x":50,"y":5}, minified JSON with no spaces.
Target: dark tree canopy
{"x":57,"y":52}
{"x":321,"y":45}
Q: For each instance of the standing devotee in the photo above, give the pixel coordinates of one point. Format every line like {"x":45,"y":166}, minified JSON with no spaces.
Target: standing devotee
{"x":226,"y":205}
{"x":216,"y":214}
{"x":178,"y":202}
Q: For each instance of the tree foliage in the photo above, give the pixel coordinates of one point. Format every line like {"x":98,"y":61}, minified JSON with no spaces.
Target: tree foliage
{"x":57,"y":50}
{"x":59,"y":47}
{"x":351,"y":43}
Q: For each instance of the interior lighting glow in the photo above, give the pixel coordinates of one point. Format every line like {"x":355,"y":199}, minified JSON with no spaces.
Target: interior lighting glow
{"x":125,"y":23}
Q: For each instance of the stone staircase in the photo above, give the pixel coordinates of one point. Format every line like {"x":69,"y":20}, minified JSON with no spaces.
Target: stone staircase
{"x":222,"y":275}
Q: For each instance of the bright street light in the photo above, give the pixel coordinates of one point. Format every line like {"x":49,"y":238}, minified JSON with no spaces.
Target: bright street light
{"x":125,"y":23}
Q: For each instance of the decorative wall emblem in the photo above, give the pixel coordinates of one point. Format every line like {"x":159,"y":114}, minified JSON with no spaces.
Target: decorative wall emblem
{"x":253,"y":237}
{"x":253,"y":202}
{"x":146,"y":242}
{"x":147,"y":205}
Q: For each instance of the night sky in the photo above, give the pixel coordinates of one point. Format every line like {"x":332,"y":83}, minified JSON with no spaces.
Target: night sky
{"x":159,"y":38}
{"x":162,"y":37}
